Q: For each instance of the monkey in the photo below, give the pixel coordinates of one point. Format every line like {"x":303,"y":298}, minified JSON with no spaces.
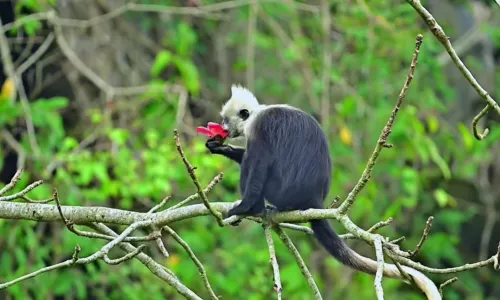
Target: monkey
{"x":286,"y":162}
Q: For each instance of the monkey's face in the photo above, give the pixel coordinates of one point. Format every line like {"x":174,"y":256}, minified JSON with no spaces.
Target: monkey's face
{"x":236,"y":113}
{"x":234,"y":122}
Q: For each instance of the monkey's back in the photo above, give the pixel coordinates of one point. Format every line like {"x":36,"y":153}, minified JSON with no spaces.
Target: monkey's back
{"x":300,"y":167}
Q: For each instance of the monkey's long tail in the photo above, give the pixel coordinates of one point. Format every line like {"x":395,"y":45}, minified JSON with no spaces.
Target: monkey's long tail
{"x":338,"y":249}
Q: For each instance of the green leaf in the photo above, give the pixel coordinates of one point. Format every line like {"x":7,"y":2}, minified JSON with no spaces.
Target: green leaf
{"x":185,"y":39}
{"x":50,"y":105}
{"x":189,"y":74}
{"x":467,"y":136}
{"x":437,"y":158}
{"x":443,"y":198}
{"x":162,"y":61}
{"x":119,"y":136}
{"x":32,"y":26}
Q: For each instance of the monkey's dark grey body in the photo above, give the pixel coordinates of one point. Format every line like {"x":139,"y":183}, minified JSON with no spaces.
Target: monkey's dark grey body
{"x":287,"y":163}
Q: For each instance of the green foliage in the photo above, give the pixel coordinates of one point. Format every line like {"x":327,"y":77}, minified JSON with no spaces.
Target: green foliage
{"x":134,"y":164}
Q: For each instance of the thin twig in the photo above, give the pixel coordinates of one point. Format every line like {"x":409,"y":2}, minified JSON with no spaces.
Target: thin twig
{"x":496,"y":262}
{"x":201,"y":193}
{"x":196,"y":196}
{"x":155,"y":268}
{"x":10,"y":72}
{"x":250,"y":51}
{"x":327,"y":63}
{"x":75,"y":260}
{"x":20,"y":194}
{"x":438,"y":32}
{"x":380,"y":268}
{"x":382,"y":141}
{"x":13,"y":182}
{"x":196,"y":261}
{"x":398,"y":240}
{"x":400,"y":269}
{"x":15,"y":179}
{"x":36,"y":56}
{"x":160,"y":205}
{"x":202,"y":10}
{"x":95,"y":235}
{"x":410,"y":263}
{"x":372,"y":229}
{"x":479,"y":116}
{"x":12,"y":143}
{"x":125,"y":257}
{"x":446,"y":283}
{"x":428,"y":225}
{"x":273,"y":260}
{"x":303,"y":268}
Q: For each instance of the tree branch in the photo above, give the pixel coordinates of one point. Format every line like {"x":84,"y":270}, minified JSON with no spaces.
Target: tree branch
{"x":382,"y":141}
{"x":11,"y":74}
{"x":273,"y":260}
{"x":303,"y":268}
{"x":380,"y":268}
{"x":439,"y":33}
{"x":201,"y":193}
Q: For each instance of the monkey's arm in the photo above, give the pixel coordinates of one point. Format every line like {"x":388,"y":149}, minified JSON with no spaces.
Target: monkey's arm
{"x":254,"y":176}
{"x":215,"y":146}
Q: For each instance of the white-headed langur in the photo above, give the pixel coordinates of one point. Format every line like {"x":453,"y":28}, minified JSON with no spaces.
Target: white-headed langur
{"x":286,"y":161}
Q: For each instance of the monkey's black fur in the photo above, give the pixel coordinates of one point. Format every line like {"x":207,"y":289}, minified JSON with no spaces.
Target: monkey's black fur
{"x":286,"y":162}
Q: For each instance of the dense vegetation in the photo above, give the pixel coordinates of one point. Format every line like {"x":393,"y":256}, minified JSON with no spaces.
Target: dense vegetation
{"x":117,"y":150}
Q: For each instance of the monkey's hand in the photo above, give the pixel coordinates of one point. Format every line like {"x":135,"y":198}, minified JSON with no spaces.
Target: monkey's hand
{"x":215,"y":144}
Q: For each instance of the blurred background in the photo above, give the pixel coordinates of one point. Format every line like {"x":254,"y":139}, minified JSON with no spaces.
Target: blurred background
{"x":105,"y":85}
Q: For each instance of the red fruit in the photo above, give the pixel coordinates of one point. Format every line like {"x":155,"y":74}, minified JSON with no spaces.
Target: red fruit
{"x":213,"y":129}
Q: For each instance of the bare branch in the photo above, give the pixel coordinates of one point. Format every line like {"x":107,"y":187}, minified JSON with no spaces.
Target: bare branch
{"x":422,"y":268}
{"x":303,"y":268}
{"x":196,"y":261}
{"x":375,"y":227}
{"x":438,"y":32}
{"x":155,"y":268}
{"x":20,"y":194}
{"x":74,"y":260}
{"x":446,"y":283}
{"x":196,"y":196}
{"x":15,"y":179}
{"x":12,"y":143}
{"x":160,"y":205}
{"x":380,"y":268}
{"x":190,"y":170}
{"x":11,"y":74}
{"x":273,"y":260}
{"x":36,"y":56}
{"x":382,"y":141}
{"x":428,"y":225}
{"x":125,"y":257}
{"x":477,"y":118}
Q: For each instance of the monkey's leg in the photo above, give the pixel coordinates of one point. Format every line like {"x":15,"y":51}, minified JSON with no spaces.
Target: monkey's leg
{"x":253,"y":203}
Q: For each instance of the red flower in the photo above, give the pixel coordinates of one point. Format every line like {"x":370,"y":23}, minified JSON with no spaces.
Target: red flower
{"x":213,"y":129}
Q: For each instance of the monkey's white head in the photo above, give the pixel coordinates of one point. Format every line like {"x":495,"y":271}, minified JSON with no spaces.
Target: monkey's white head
{"x":239,"y":110}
